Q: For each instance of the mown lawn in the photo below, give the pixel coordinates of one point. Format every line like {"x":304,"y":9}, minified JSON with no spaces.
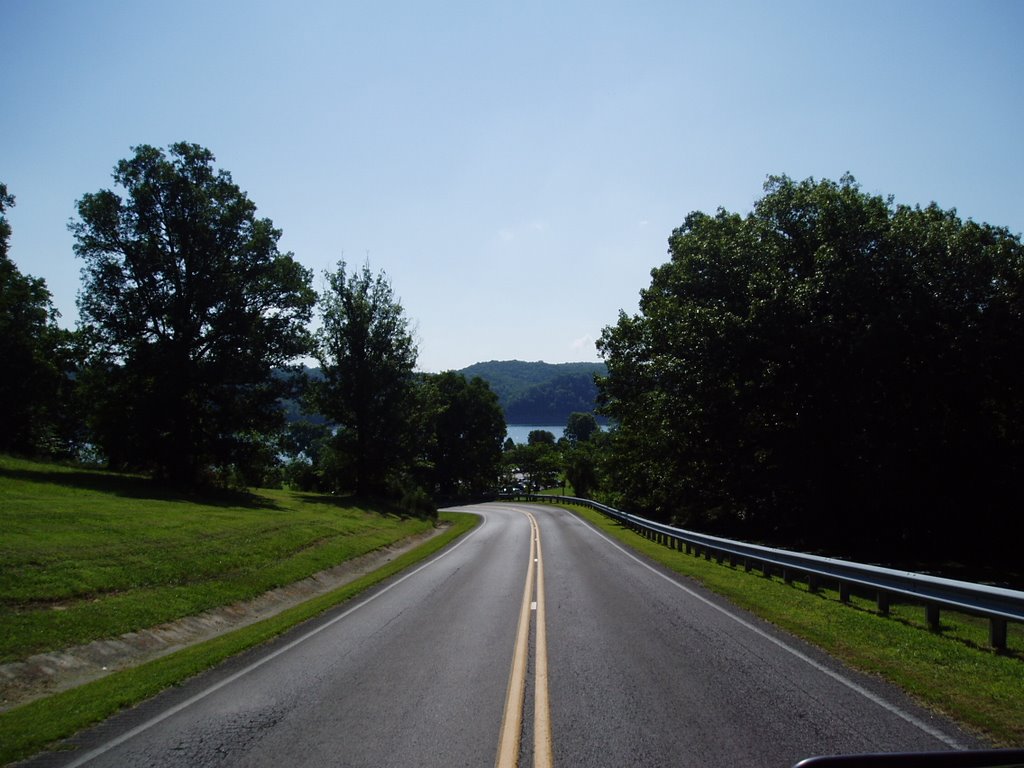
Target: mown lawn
{"x":88,"y":554}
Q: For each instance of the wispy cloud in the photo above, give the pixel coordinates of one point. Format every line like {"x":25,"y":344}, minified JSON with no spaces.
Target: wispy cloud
{"x":585,"y":342}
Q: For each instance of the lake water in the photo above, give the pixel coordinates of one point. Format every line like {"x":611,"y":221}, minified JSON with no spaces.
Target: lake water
{"x":520,"y":433}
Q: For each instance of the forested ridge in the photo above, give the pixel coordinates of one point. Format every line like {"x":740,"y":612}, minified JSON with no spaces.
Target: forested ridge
{"x":539,"y":392}
{"x":528,"y":393}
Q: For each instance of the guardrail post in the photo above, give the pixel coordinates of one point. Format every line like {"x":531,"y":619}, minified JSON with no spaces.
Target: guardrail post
{"x":998,"y":605}
{"x":997,"y":633}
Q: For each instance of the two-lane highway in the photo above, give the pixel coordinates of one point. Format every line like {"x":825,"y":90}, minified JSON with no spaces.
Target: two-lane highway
{"x":534,"y":638}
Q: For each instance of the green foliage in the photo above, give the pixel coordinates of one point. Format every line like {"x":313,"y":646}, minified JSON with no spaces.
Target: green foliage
{"x":464,"y":434}
{"x":305,"y":442}
{"x":553,"y":401}
{"x":36,"y":357}
{"x":581,"y":471}
{"x":832,"y":370}
{"x":540,"y":393}
{"x":189,"y":307}
{"x":6,"y":201}
{"x":367,"y":356}
{"x":580,"y":428}
{"x":536,"y":465}
{"x":584,"y":464}
{"x":540,"y":437}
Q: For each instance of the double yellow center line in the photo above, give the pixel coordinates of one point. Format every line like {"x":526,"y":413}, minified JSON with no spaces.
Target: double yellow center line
{"x":512,"y":720}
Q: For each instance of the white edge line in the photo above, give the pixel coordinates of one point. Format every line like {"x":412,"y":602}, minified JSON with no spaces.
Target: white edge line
{"x":915,"y":721}
{"x":118,"y":741}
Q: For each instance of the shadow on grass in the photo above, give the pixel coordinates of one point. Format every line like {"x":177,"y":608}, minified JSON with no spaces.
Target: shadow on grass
{"x":138,"y":487}
{"x":370,"y":504}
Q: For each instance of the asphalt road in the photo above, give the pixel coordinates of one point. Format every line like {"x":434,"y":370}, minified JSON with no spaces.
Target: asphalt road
{"x":621,"y":662}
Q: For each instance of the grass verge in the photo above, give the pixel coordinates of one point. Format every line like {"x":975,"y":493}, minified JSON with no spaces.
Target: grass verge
{"x":87,"y":554}
{"x":28,"y":729}
{"x":952,"y":672}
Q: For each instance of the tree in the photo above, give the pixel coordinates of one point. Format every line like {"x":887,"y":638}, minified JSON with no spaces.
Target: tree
{"x":190,"y":307}
{"x":367,"y":355}
{"x":580,"y":427}
{"x":581,"y":468}
{"x":537,"y":463}
{"x":540,"y":437}
{"x":830,"y":370}
{"x":35,"y":354}
{"x":466,"y":431}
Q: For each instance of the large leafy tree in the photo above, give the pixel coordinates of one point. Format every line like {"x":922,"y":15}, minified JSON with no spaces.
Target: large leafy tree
{"x":465,"y":432}
{"x":190,"y":307}
{"x":367,"y":356}
{"x":34,"y":351}
{"x":831,"y":369}
{"x":580,"y":428}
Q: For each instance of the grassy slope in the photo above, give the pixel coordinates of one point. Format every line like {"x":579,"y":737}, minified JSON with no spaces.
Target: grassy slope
{"x":87,"y":554}
{"x":31,"y":728}
{"x":952,"y":672}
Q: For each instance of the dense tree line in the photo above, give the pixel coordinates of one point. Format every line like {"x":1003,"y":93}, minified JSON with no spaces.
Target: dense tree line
{"x":538,"y":392}
{"x":554,"y":401}
{"x":191,"y":325}
{"x":575,"y":461}
{"x":830,"y":370}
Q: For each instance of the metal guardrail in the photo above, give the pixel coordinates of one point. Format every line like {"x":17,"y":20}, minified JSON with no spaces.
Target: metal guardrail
{"x":996,"y":604}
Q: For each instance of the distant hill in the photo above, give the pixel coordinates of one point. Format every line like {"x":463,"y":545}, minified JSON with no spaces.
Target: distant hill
{"x":529,"y":393}
{"x":540,"y":393}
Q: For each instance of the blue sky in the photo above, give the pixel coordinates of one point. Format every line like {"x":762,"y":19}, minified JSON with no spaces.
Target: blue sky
{"x":514,"y":168}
